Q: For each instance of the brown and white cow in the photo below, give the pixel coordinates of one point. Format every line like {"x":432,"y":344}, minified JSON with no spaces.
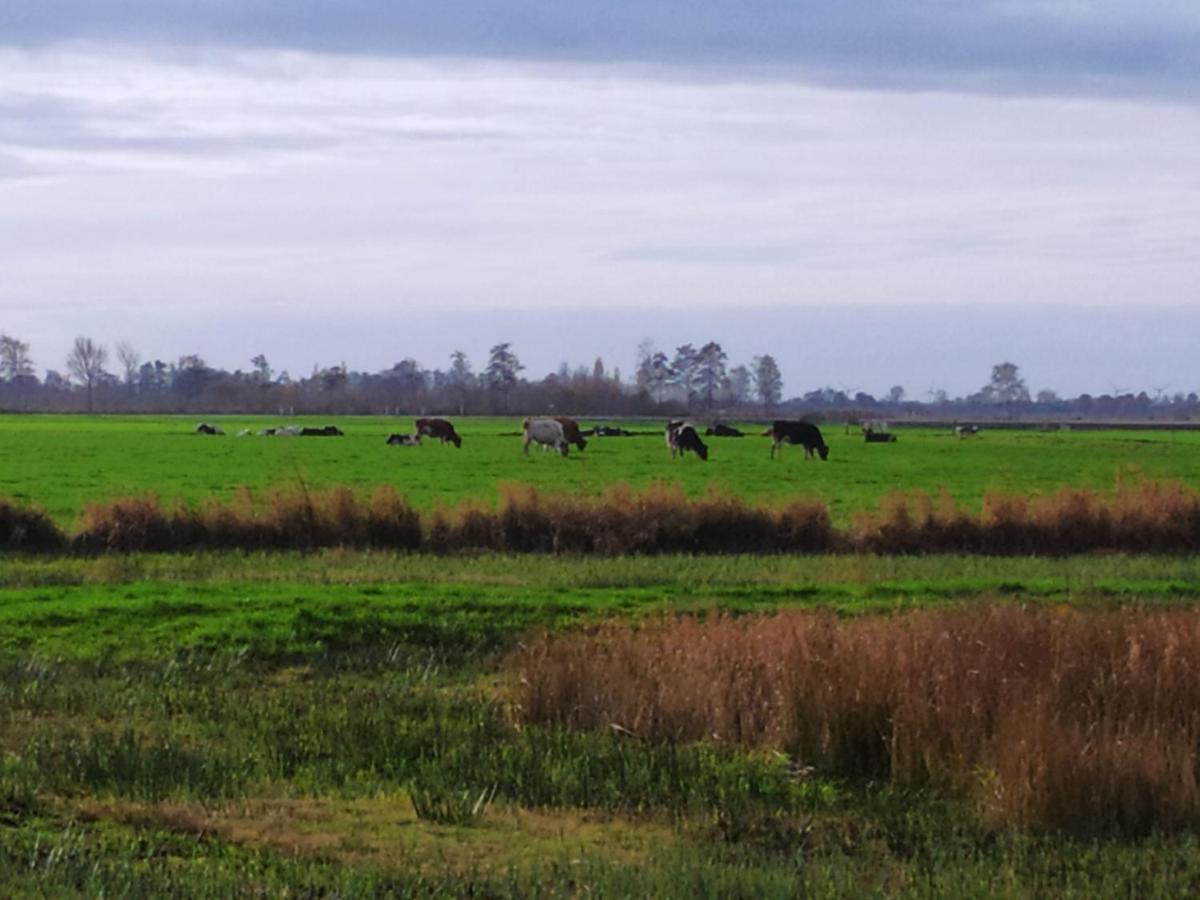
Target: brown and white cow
{"x":571,"y":431}
{"x":547,"y":432}
{"x":440,"y":429}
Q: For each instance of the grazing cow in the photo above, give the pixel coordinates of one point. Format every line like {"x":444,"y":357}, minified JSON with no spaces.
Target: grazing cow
{"x":404,"y":440}
{"x":719,"y":430}
{"x":326,"y":431}
{"x":571,"y":431}
{"x":683,"y":436}
{"x":966,"y":431}
{"x":782,"y":432}
{"x":205,"y":428}
{"x":440,"y":429}
{"x":547,"y":432}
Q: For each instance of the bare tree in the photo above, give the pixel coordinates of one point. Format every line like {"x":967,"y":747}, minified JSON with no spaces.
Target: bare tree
{"x":15,"y":362}
{"x":86,"y":362}
{"x":130,"y":361}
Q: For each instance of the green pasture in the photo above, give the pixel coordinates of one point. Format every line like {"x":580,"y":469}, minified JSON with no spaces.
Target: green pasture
{"x":62,"y":463}
{"x":337,"y":724}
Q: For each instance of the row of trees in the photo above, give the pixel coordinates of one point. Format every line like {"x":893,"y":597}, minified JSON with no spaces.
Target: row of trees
{"x":695,"y":380}
{"x":691,"y":379}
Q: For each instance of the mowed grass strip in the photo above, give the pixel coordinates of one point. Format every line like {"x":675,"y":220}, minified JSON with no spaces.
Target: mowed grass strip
{"x":63,"y":463}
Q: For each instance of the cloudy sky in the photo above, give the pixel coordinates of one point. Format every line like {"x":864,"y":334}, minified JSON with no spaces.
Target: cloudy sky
{"x":873,"y":193}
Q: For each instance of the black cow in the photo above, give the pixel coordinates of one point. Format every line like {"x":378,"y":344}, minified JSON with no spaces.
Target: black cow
{"x":205,"y":428}
{"x":871,"y":436}
{"x":440,"y":429}
{"x":610,"y":431}
{"x":804,"y":433}
{"x":682,"y":436}
{"x":719,"y":430}
{"x":326,"y":431}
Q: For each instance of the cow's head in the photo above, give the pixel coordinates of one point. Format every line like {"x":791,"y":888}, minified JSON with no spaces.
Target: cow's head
{"x":824,"y":451}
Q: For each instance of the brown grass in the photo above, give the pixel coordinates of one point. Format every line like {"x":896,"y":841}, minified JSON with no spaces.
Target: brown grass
{"x":1086,"y":723}
{"x":1142,"y":517}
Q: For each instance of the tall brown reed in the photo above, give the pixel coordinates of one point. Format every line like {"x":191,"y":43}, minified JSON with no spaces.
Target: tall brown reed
{"x":1137,"y":517}
{"x":1082,"y":722}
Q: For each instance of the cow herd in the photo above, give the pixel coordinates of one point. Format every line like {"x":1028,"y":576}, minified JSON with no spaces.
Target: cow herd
{"x":560,"y":433}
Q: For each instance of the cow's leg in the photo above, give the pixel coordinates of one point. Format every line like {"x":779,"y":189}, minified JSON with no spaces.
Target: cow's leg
{"x":525,"y":446}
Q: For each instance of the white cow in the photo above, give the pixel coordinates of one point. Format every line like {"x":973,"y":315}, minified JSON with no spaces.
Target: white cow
{"x":546,"y":432}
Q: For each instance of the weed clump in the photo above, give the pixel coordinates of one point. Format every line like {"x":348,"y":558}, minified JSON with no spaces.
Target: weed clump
{"x":1081,"y":723}
{"x":28,"y":530}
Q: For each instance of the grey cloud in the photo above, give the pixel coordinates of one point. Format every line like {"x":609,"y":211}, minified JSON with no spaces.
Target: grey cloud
{"x":995,"y":45}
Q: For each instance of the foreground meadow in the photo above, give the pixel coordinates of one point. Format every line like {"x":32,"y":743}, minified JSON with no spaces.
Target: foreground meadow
{"x":63,"y":463}
{"x":373,"y":724}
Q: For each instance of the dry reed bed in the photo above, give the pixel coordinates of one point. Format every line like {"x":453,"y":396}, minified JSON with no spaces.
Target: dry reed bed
{"x":1085,"y":722}
{"x":1142,"y":517}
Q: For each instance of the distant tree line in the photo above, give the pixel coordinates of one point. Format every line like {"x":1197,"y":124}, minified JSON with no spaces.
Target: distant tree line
{"x":691,"y":380}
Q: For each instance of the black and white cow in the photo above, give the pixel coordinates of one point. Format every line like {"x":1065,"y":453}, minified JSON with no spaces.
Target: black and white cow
{"x":965,"y":431}
{"x":809,"y":436}
{"x":682,"y":436}
{"x":440,"y":429}
{"x":547,"y":432}
{"x":404,"y":440}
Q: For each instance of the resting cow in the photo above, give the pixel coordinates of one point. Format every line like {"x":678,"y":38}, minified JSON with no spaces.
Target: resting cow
{"x":205,"y":428}
{"x":719,"y":430}
{"x":324,"y":431}
{"x":547,"y":432}
{"x":682,"y":436}
{"x":440,"y":429}
{"x":404,"y":440}
{"x":571,"y":431}
{"x":804,"y":433}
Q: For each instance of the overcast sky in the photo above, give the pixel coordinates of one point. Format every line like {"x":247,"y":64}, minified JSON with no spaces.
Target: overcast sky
{"x":873,"y":195}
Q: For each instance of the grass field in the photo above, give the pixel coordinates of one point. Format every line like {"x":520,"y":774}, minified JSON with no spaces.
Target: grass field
{"x":350,"y":723}
{"x":61,"y":463}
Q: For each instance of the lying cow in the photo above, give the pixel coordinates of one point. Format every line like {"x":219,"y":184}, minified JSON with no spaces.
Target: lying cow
{"x":682,"y":436}
{"x":404,"y":440}
{"x":871,"y":436}
{"x":205,"y":428}
{"x":325,"y":431}
{"x":547,"y":432}
{"x":610,"y":431}
{"x":571,"y":431}
{"x":809,"y":436}
{"x":719,"y":430}
{"x":440,"y":429}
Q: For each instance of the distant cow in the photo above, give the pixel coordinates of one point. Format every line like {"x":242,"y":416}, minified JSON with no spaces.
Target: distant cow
{"x":571,"y":431}
{"x":440,"y":429}
{"x":719,"y":430}
{"x":547,"y":432}
{"x":404,"y":440}
{"x":610,"y":431}
{"x":966,"y":431}
{"x":205,"y":428}
{"x":325,"y":431}
{"x":808,"y":435}
{"x":682,"y":436}
{"x":871,"y":436}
